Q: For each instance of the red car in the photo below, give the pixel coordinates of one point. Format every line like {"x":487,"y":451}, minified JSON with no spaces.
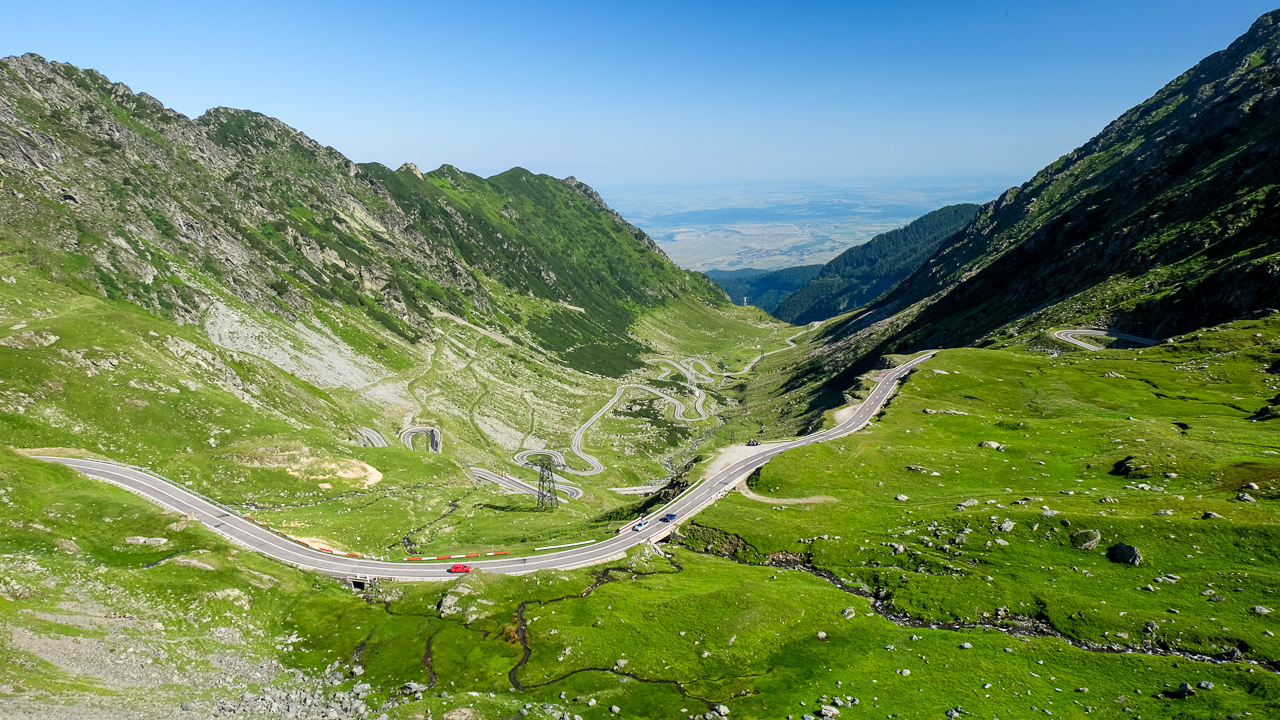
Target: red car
{"x":460,"y":568}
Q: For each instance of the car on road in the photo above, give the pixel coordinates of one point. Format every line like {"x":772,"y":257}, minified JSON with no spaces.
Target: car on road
{"x":668,"y":517}
{"x":640,"y":523}
{"x":460,"y":568}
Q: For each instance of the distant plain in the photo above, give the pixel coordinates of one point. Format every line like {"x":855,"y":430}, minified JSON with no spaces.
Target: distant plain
{"x":732,"y":226}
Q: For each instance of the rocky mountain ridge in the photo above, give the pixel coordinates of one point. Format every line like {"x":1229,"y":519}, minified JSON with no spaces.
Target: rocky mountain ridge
{"x":115,"y":193}
{"x":1162,"y":223}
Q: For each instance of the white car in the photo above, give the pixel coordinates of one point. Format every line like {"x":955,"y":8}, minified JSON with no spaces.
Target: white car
{"x":640,"y":523}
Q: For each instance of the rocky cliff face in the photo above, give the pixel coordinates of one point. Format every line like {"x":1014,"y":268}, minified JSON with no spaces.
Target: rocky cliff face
{"x":111,"y":191}
{"x":1162,"y":223}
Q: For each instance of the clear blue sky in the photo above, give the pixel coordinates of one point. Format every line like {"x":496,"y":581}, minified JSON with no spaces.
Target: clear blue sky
{"x":656,"y":92}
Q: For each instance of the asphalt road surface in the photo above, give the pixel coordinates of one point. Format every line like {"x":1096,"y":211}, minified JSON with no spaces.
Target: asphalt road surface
{"x":1070,"y":336}
{"x":435,"y":436}
{"x":260,"y":539}
{"x":371,"y":436}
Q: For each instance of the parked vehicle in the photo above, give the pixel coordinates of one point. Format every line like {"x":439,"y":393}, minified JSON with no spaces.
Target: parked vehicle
{"x":752,"y":443}
{"x":460,"y":568}
{"x":668,"y":517}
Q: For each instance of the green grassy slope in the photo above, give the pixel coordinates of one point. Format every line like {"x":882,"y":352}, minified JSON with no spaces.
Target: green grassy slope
{"x":225,"y":301}
{"x":557,"y":241}
{"x":100,"y":624}
{"x":1103,"y":441}
{"x":165,"y":209}
{"x":83,"y":373}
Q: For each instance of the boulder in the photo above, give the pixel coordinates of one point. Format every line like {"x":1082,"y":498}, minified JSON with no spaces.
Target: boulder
{"x":1124,"y":554}
{"x":849,"y":613}
{"x":991,"y":444}
{"x":1245,"y":497}
{"x":1209,"y":515}
{"x":822,"y":635}
{"x":901,"y":498}
{"x":1132,"y":467}
{"x":1007,"y":525}
{"x":29,"y":340}
{"x":1086,"y":539}
{"x":1262,"y":609}
{"x":1184,"y":691}
{"x":68,"y":546}
{"x":1205,"y":685}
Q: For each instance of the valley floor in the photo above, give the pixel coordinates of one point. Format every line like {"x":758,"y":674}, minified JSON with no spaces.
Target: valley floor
{"x":941,"y":573}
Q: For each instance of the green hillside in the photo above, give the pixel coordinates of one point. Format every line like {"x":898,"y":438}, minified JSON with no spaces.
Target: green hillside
{"x":1024,"y":528}
{"x":835,"y":569}
{"x":164,"y":205}
{"x":227,"y":302}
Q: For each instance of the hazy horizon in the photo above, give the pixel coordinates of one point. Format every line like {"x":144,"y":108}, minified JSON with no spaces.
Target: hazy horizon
{"x":771,"y":225}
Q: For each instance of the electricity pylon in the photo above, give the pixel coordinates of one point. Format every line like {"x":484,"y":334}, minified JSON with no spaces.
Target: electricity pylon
{"x":547,"y":497}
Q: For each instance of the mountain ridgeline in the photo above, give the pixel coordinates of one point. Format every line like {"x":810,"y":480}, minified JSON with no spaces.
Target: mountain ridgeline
{"x":117,"y":195}
{"x":1163,"y":223}
{"x":864,"y":272}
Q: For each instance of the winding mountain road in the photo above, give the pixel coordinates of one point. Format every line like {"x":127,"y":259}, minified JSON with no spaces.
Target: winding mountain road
{"x":1070,"y":337}
{"x":435,"y":437}
{"x":687,"y":369}
{"x":791,"y":342}
{"x":256,"y":537}
{"x":371,"y":436}
{"x":597,"y":467}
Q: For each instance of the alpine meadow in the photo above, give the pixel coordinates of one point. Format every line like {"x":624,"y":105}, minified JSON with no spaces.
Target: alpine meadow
{"x":286,"y":435}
